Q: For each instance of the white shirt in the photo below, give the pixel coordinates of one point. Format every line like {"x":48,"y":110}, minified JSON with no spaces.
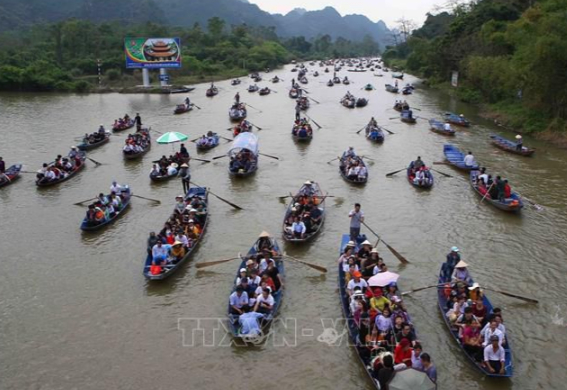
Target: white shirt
{"x":490,"y":354}
{"x":238,"y":301}
{"x":362,"y":172}
{"x":469,"y":160}
{"x":484,"y":178}
{"x":183,"y":239}
{"x":270,"y":300}
{"x":416,"y":361}
{"x":171,"y":170}
{"x":117,"y":189}
{"x":501,"y":328}
{"x":447,"y":126}
{"x":487,"y":332}
{"x":352,"y":284}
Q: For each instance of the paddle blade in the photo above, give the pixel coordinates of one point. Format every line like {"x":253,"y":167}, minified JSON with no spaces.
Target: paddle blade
{"x":402,"y":259}
{"x":211,"y":263}
{"x":217,"y":157}
{"x":393,"y":173}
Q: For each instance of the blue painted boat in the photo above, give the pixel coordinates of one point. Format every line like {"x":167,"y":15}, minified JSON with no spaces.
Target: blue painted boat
{"x":510,"y":146}
{"x":445,"y":277}
{"x":374,"y":134}
{"x":170,"y":269}
{"x":91,"y":145}
{"x":407,"y":116}
{"x":300,"y":136}
{"x":344,"y":173}
{"x":439,"y":127}
{"x":512,"y":204}
{"x":391,"y":88}
{"x":44,"y":182}
{"x":214,"y":142}
{"x":428,"y":183}
{"x":126,"y":198}
{"x":244,"y":146}
{"x":456,"y":119}
{"x":319,"y":201}
{"x":278,"y":295}
{"x":456,"y":157}
{"x":11,"y":174}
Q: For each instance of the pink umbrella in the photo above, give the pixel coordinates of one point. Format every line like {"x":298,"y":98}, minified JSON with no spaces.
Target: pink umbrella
{"x":383,"y":279}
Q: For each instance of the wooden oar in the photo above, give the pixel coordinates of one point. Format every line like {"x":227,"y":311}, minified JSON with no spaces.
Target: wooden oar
{"x":314,"y":266}
{"x":368,"y":158}
{"x":270,"y":156}
{"x":252,"y":107}
{"x":141,"y":197}
{"x":383,"y":128}
{"x":402,"y":259}
{"x":309,"y":97}
{"x":228,"y":139}
{"x":259,"y":128}
{"x":336,"y":158}
{"x":531,"y":300}
{"x":422,"y":288}
{"x":83,"y":201}
{"x":196,"y":105}
{"x":393,"y":173}
{"x":534,"y":204}
{"x":363,"y":127}
{"x":219,"y":198}
{"x":487,"y":192}
{"x":200,"y":159}
{"x":96,"y":162}
{"x":396,"y":117}
{"x":441,"y":173}
{"x":313,"y":120}
{"x":210,"y":263}
{"x":440,"y":163}
{"x":217,"y":157}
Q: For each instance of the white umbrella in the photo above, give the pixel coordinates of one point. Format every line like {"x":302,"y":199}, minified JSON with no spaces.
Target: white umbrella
{"x":383,"y":279}
{"x":411,"y":379}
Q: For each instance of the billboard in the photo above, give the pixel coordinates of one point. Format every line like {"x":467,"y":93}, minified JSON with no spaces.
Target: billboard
{"x":152,"y":53}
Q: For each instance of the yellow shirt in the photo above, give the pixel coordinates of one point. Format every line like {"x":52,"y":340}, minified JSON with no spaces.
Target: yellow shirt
{"x":379,"y":303}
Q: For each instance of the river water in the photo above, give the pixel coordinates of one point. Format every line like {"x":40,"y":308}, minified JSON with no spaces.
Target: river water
{"x":76,"y":311}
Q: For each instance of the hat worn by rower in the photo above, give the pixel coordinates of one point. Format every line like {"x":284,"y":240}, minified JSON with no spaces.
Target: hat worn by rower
{"x":474,"y":286}
{"x":374,"y":250}
{"x":351,"y":243}
{"x":454,"y":249}
{"x":242,"y":269}
{"x":461,"y":264}
{"x":250,"y":262}
{"x":184,"y":165}
{"x":366,"y":242}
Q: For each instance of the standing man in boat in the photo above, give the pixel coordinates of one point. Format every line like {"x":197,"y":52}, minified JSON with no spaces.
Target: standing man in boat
{"x":237,"y":98}
{"x":297,"y":111}
{"x":185,"y":176}
{"x":356,"y":218}
{"x":519,"y":142}
{"x":187,"y":101}
{"x":138,"y":121}
{"x":2,"y":165}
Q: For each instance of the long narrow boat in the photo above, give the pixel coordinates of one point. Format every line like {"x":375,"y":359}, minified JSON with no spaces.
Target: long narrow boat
{"x":170,"y":269}
{"x":456,"y":158}
{"x":342,"y":168}
{"x":12,"y":173}
{"x":264,"y":91}
{"x":455,"y":119}
{"x":400,"y":106}
{"x":438,"y":127}
{"x":215,"y":140}
{"x":136,"y":155}
{"x":128,"y":125}
{"x":391,"y":88}
{"x":253,"y":88}
{"x":243,"y":155}
{"x":510,"y":146}
{"x":374,"y":134}
{"x":362,"y":102}
{"x":213,"y":91}
{"x":442,"y":301}
{"x":318,"y":198}
{"x":126,"y":198}
{"x":264,"y":239}
{"x":237,"y":112}
{"x":429,"y":180}
{"x":302,"y":136}
{"x":398,"y":76}
{"x":96,"y":144}
{"x":182,"y":108}
{"x":43,"y":182}
{"x":160,"y":177}
{"x":406,"y":118}
{"x":512,"y":204}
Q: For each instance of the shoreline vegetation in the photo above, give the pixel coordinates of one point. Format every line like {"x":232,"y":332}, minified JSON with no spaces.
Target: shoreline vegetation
{"x":510,"y":56}
{"x":64,"y":56}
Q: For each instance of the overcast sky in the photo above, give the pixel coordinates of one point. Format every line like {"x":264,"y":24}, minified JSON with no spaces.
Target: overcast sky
{"x":387,"y":10}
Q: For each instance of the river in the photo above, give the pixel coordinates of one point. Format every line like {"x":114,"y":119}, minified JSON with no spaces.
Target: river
{"x":76,"y":311}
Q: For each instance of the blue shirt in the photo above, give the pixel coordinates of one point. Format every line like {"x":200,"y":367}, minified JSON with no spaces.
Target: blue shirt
{"x":249,"y":322}
{"x":238,"y":301}
{"x":431,"y":373}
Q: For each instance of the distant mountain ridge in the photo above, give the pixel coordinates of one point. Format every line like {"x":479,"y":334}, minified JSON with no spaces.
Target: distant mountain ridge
{"x":185,"y":13}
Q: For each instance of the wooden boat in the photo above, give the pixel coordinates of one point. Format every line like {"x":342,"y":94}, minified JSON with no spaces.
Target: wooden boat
{"x":244,"y":145}
{"x":336,"y":80}
{"x":361,"y":102}
{"x":88,"y":146}
{"x":391,"y":88}
{"x":427,"y":184}
{"x":346,"y":81}
{"x":265,"y":91}
{"x":213,"y":91}
{"x":398,"y":75}
{"x":278,"y":295}
{"x":399,"y":106}
{"x":181,"y":90}
{"x":456,"y":158}
{"x":170,"y":269}
{"x":126,"y":198}
{"x":330,"y":83}
{"x":348,"y":102}
{"x":374,"y":134}
{"x":456,"y":119}
{"x":182,"y":108}
{"x":357,"y":70}
{"x":160,"y":177}
{"x":202,"y":146}
{"x":342,"y":167}
{"x":303,"y":103}
{"x":406,"y":118}
{"x":303,"y":80}
{"x":299,"y":136}
{"x":10,"y":175}
{"x":275,"y":80}
{"x":510,"y":146}
{"x":257,"y":78}
{"x":136,"y":155}
{"x":439,"y":127}
{"x":293,"y":93}
{"x":368,"y":87}
{"x":237,"y":112}
{"x":128,"y":125}
{"x":318,"y":199}
{"x":512,"y":204}
{"x":253,"y":88}
{"x":407,"y":91}
{"x":316,"y":74}
{"x":43,"y":182}
{"x":442,"y":303}
{"x":235,"y":82}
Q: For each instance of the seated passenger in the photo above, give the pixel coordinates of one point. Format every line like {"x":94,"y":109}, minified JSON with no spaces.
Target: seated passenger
{"x":494,"y":356}
{"x":238,"y":301}
{"x":265,"y":302}
{"x":177,"y":252}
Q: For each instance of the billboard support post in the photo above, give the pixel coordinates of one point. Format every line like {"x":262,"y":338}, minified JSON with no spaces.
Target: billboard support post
{"x":163,"y":77}
{"x":146,"y":77}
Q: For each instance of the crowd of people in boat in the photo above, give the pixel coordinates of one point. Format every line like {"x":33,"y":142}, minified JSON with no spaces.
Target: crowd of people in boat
{"x":123,"y":123}
{"x":305,"y":216}
{"x":348,"y":100}
{"x":179,"y":233}
{"x":106,"y":207}
{"x":481,"y":332}
{"x":238,"y":110}
{"x":386,"y":339}
{"x":242,"y":162}
{"x":373,"y":130}
{"x":95,"y":137}
{"x":401,"y":105}
{"x":207,"y":141}
{"x":255,"y":286}
{"x":243,"y":127}
{"x":419,"y":173}
{"x":61,"y":167}
{"x":302,"y":128}
{"x":137,"y":142}
{"x":493,"y":188}
{"x":352,"y":166}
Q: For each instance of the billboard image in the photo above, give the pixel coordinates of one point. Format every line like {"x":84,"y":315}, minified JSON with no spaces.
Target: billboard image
{"x":152,"y":52}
